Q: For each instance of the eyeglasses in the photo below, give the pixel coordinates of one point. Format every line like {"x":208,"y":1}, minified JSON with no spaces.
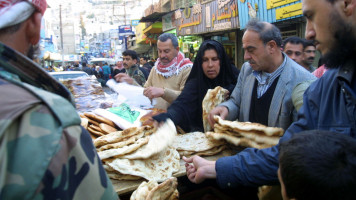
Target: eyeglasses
{"x":309,"y":51}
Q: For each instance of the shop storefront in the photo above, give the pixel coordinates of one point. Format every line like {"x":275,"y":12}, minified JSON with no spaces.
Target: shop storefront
{"x":216,"y":20}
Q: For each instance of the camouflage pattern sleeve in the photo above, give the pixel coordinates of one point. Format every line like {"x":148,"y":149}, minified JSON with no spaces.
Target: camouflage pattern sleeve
{"x":139,"y":77}
{"x":42,"y":155}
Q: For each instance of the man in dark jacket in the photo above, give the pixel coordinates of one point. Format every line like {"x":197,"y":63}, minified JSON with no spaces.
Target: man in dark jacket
{"x":87,"y":69}
{"x":329,"y":103}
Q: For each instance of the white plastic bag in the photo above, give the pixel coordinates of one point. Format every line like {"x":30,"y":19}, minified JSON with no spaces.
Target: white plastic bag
{"x":130,"y":94}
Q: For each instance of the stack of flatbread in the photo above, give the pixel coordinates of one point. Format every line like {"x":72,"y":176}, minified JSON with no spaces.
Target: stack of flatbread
{"x":196,"y":143}
{"x":154,"y":191}
{"x":96,"y":125}
{"x":245,"y":133}
{"x":212,"y":98}
{"x":140,"y":152}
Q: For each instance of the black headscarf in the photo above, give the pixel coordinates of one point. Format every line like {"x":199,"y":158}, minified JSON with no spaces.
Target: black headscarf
{"x":227,"y":76}
{"x":186,"y":111}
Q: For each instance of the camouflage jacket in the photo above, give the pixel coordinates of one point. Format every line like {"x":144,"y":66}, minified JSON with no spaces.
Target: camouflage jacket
{"x":135,"y":73}
{"x":44,"y":152}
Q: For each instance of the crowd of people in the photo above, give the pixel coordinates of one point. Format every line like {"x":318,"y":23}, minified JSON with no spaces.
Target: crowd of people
{"x":277,"y":86}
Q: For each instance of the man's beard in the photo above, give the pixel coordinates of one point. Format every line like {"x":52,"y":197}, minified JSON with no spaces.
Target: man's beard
{"x":343,"y":48}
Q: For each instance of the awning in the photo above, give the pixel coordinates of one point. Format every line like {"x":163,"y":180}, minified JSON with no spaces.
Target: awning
{"x":154,"y":28}
{"x":141,"y":48}
{"x":156,"y":16}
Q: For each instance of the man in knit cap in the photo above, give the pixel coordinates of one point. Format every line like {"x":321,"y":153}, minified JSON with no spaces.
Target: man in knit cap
{"x":44,"y":152}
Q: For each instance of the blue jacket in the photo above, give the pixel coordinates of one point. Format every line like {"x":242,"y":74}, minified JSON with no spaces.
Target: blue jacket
{"x":329,"y":104}
{"x":106,"y":69}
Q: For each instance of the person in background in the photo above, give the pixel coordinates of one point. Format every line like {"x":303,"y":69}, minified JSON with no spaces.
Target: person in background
{"x":106,"y":72}
{"x":45,"y":153}
{"x":118,"y":68}
{"x":308,"y":55}
{"x":211,"y":68}
{"x":133,"y":74}
{"x":293,"y":47}
{"x":167,"y":78}
{"x":144,"y":63}
{"x":87,"y":69}
{"x":144,"y":70}
{"x":318,"y":165}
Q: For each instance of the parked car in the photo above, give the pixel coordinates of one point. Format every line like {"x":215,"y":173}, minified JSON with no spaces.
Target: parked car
{"x":68,"y":75}
{"x":96,"y":61}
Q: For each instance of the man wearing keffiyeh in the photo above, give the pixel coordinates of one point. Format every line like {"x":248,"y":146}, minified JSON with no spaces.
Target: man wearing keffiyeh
{"x":167,"y":78}
{"x":44,"y":152}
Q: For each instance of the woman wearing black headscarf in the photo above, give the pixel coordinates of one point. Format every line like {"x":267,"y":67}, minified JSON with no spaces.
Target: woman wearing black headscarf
{"x":211,"y":68}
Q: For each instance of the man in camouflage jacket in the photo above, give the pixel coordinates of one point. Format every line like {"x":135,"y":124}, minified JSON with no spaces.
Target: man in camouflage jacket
{"x":44,"y":152}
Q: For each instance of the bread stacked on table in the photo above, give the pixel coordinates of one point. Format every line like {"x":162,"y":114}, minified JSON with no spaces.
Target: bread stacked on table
{"x":96,"y":125}
{"x":245,"y":133}
{"x":196,"y":143}
{"x":154,"y":191}
{"x":140,"y":152}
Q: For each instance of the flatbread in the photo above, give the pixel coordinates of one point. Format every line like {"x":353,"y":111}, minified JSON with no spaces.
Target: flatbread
{"x":237,"y":141}
{"x":212,"y":98}
{"x":195,"y":141}
{"x":107,"y":128}
{"x":122,"y":177}
{"x":209,"y":152}
{"x":96,"y":128}
{"x":142,"y":191}
{"x":163,"y":190}
{"x":121,"y":135}
{"x":158,"y":167}
{"x":120,"y":144}
{"x":174,"y":196}
{"x":250,"y":127}
{"x":100,"y":119}
{"x":123,"y":150}
{"x":159,"y":141}
{"x":94,"y":132}
{"x":84,"y":122}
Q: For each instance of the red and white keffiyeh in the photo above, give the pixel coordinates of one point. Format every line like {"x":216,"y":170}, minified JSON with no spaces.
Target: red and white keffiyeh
{"x":174,"y":67}
{"x":16,"y":11}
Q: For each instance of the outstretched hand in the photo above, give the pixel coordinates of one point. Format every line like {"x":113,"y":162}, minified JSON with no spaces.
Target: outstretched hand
{"x":221,"y":111}
{"x":198,"y":169}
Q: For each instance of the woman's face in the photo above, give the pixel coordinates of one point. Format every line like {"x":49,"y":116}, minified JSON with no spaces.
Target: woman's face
{"x":211,"y":64}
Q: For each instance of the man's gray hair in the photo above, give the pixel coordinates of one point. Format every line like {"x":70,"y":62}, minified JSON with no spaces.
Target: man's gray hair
{"x":266,"y":33}
{"x":165,"y":36}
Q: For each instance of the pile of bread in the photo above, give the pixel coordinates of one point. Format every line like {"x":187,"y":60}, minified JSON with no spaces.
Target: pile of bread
{"x":96,"y":125}
{"x":153,"y":191}
{"x":140,"y":152}
{"x":88,"y":93}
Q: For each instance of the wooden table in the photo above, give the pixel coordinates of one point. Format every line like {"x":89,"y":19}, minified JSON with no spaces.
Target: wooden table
{"x":124,"y":187}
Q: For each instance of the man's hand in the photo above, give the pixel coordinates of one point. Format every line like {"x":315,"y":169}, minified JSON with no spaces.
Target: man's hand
{"x":122,"y":77}
{"x":221,"y":111}
{"x":198,"y":169}
{"x":153,"y":92}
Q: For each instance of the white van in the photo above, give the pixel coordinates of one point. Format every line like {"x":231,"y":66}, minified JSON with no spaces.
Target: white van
{"x":96,"y":61}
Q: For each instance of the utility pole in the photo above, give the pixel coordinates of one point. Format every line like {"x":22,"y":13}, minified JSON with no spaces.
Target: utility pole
{"x":125,"y":11}
{"x":61,"y":33}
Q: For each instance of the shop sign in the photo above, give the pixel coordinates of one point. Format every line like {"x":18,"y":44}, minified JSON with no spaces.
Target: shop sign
{"x":213,"y":16}
{"x":168,"y":22}
{"x":277,"y":3}
{"x":289,"y":11}
{"x":135,"y":22}
{"x":268,"y":10}
{"x":140,"y":37}
{"x":207,"y":17}
{"x":125,"y":30}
